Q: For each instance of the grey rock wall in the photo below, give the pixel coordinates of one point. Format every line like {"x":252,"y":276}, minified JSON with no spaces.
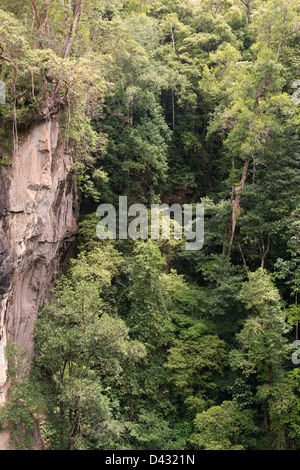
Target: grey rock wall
{"x":38,"y":224}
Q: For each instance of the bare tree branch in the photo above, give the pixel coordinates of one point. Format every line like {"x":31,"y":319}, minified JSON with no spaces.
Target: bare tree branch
{"x":36,"y":14}
{"x":70,"y":37}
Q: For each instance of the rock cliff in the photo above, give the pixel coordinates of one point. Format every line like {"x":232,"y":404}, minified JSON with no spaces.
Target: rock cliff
{"x":38,"y":214}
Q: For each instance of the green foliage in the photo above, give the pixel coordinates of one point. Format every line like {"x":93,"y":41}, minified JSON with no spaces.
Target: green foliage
{"x":153,"y":432}
{"x":149,"y":316}
{"x":145,"y":345}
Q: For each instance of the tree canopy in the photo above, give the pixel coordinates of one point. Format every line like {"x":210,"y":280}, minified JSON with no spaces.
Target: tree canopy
{"x":145,"y":345}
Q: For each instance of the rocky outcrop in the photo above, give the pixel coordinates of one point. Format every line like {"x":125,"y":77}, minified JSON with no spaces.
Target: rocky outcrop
{"x":38,"y":214}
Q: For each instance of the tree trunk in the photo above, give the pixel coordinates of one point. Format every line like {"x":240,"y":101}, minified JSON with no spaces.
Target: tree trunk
{"x":236,"y":204}
{"x":265,"y":251}
{"x":70,"y":37}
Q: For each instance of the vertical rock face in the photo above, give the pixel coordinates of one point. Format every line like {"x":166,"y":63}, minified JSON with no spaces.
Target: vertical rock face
{"x":38,"y":214}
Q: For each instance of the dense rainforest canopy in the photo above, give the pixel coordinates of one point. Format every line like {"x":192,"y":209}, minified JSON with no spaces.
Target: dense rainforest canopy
{"x":146,"y":345}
